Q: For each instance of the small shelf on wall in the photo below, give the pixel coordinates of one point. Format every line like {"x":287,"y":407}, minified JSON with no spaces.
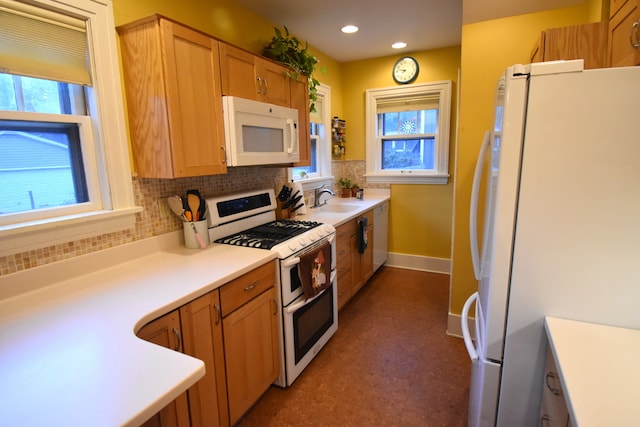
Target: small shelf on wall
{"x":338,"y":138}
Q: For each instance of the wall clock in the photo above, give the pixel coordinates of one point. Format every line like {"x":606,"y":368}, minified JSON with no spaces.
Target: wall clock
{"x":405,"y":70}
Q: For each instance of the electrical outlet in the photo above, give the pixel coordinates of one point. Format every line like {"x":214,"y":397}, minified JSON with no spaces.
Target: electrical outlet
{"x":163,"y":208}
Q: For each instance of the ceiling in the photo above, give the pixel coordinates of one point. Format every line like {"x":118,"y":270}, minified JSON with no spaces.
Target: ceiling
{"x":422,"y":24}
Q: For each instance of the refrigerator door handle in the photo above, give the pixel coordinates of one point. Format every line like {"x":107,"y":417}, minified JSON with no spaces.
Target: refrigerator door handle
{"x":473,"y":208}
{"x":468,"y":342}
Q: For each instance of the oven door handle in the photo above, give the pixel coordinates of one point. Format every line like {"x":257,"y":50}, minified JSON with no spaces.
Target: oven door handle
{"x":297,"y":306}
{"x":291,"y":262}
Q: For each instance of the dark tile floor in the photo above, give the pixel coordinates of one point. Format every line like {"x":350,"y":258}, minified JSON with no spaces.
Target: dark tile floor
{"x":389,"y":364}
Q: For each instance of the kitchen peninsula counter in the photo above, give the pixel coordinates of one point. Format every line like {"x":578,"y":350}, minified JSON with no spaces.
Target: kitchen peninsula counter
{"x":599,"y":371}
{"x":68,"y":350}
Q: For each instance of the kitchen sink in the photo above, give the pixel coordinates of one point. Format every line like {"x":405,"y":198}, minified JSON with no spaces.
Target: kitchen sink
{"x":338,"y":208}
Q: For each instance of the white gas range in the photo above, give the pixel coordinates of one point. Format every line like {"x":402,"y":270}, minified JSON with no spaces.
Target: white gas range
{"x":306,"y":323}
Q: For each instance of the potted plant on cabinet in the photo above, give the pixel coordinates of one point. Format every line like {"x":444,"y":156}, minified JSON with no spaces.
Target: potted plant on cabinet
{"x":288,"y":50}
{"x":345,"y":183}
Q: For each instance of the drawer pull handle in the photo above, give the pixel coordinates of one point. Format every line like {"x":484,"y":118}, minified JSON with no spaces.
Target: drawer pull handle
{"x":218,"y":313}
{"x":633,"y":36}
{"x":251,"y":286}
{"x":176,"y":332}
{"x":553,"y":390}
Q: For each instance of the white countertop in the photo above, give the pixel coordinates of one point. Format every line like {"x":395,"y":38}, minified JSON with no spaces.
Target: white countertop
{"x":600,"y":371}
{"x":372,"y":198}
{"x":68,"y":351}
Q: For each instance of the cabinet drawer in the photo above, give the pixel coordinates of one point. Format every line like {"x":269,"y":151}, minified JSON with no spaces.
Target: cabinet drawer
{"x":345,"y":231}
{"x":241,"y":290}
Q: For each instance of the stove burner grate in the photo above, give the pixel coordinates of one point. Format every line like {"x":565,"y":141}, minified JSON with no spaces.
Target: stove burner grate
{"x":268,"y":235}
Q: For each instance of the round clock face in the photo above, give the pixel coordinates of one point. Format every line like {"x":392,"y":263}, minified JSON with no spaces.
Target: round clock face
{"x":405,"y":70}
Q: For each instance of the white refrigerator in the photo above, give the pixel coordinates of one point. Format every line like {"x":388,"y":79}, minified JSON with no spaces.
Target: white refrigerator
{"x":561,"y":225}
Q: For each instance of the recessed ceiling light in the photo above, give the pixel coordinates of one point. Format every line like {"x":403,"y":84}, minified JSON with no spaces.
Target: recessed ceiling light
{"x":399,"y":45}
{"x":349,"y":29}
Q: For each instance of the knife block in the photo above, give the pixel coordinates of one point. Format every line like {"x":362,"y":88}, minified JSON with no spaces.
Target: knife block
{"x":281,"y":213}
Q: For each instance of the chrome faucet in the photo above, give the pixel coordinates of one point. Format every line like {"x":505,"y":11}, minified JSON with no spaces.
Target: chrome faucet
{"x":317,"y":192}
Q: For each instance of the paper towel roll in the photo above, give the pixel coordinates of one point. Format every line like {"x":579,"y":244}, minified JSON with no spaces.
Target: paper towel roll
{"x":300,"y":207}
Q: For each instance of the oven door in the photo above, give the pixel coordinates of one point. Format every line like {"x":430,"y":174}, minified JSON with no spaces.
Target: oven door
{"x":308,"y":325}
{"x":290,"y":284}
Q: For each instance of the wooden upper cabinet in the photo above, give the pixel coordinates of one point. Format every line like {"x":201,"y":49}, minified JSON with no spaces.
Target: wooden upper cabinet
{"x":624,"y":33}
{"x":586,"y":41}
{"x":249,"y":76}
{"x":172,"y":85}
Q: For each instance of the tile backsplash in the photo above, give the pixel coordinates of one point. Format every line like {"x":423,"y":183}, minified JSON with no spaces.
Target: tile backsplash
{"x":156,"y":219}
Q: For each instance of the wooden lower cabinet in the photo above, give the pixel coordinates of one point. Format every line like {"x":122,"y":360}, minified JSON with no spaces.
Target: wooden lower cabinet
{"x":166,"y":332}
{"x":344,"y":233}
{"x":251,"y":350}
{"x":354,"y":268}
{"x":201,"y":322}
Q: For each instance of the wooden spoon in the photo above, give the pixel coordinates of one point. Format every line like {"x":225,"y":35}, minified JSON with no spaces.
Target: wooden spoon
{"x":194,"y":206}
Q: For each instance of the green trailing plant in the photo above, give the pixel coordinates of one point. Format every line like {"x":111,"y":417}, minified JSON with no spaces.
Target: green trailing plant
{"x":288,"y":50}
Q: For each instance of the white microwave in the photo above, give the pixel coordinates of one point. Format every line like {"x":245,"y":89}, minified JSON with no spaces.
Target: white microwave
{"x":258,"y":133}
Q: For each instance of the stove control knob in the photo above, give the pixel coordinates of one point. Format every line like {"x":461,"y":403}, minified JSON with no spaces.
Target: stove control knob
{"x":293,"y":246}
{"x":312,"y":237}
{"x":327,"y":228}
{"x":302,"y":241}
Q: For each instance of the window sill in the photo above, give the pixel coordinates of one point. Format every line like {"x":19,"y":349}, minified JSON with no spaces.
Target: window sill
{"x":38,"y":234}
{"x":408,"y":179}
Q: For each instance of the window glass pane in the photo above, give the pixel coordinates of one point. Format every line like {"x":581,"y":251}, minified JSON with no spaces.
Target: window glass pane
{"x":408,"y":122}
{"x":40,"y":96}
{"x":304,"y":171}
{"x":40,"y":166}
{"x":408,"y":154}
{"x":7,"y":93}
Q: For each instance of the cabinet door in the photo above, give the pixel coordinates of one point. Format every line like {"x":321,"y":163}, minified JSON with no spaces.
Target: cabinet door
{"x":343,"y":263}
{"x":367,"y":256}
{"x":585,"y":41}
{"x":172,"y":83}
{"x":165,"y":332}
{"x":276,"y":87}
{"x":201,"y":322}
{"x":624,"y":29}
{"x":300,"y":101}
{"x":194,"y":94}
{"x":248,"y":76}
{"x":251,"y":349}
{"x":239,"y":73}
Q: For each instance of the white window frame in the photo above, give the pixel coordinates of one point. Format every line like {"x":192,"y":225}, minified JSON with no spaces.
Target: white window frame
{"x":440,"y":174}
{"x":324,"y":148}
{"x":115,"y":208}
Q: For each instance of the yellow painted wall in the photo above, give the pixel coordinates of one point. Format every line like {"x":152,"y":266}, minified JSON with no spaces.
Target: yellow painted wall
{"x":487,"y":49}
{"x":420,"y":219}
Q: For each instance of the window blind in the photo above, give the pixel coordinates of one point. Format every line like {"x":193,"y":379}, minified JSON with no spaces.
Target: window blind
{"x":316,"y":116}
{"x":43,"y":43}
{"x":394,"y":105}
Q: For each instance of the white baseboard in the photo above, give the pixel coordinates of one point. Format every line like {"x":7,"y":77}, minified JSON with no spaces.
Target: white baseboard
{"x":418,"y":262}
{"x":454,"y":326}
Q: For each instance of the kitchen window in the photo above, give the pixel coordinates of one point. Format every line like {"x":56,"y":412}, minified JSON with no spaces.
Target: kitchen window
{"x":64,"y":164}
{"x":408,"y":134}
{"x":320,"y":151}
